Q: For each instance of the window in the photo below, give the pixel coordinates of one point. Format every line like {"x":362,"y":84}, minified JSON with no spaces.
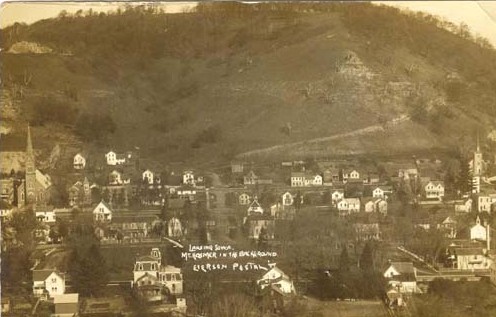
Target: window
{"x":168,"y":277}
{"x":54,"y":280}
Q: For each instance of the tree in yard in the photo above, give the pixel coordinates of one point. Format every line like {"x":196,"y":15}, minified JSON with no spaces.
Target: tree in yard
{"x":344,"y":260}
{"x":263,"y":239}
{"x":464,"y":179}
{"x":234,"y":305}
{"x":367,"y":258}
{"x":87,"y":266}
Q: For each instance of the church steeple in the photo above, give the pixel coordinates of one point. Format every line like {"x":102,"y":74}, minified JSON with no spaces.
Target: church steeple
{"x":478,"y":147}
{"x":29,"y":146}
{"x":30,"y":171}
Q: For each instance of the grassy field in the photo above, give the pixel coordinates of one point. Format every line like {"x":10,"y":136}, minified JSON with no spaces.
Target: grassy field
{"x":363,"y":308}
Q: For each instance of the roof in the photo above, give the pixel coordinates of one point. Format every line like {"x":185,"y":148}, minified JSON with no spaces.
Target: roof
{"x":435,"y":183}
{"x":298,"y":174}
{"x":66,"y":298}
{"x":147,"y":275}
{"x":134,"y":218}
{"x":4,"y":205}
{"x":146,"y":258}
{"x":384,"y":188}
{"x":469,"y":251}
{"x":43,"y":179}
{"x":104,"y":204}
{"x":353,"y":200}
{"x":403,"y":267}
{"x":42,"y":275}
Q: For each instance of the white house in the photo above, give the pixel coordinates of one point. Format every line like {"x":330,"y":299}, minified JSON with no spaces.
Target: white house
{"x":472,"y":259}
{"x":317,"y":180}
{"x":464,"y":205}
{"x":353,"y":175}
{"x":5,"y":209}
{"x":79,"y":161}
{"x":47,"y":283}
{"x":402,"y":276}
{"x":369,"y":204}
{"x":174,"y":228}
{"x":434,"y":190}
{"x":353,"y":204}
{"x":102,"y":212}
{"x":189,"y":178}
{"x":114,"y":158}
{"x":348,"y":205}
{"x":275,"y":277}
{"x":382,"y":206}
{"x":255,"y":207}
{"x":46,"y":216}
{"x":244,"y":199}
{"x":478,"y":231}
{"x":148,"y":177}
{"x":287,"y":199}
{"x":337,"y":195}
{"x":382,"y":192}
{"x":375,"y":205}
{"x":116,"y":178}
{"x":448,"y":225}
{"x":486,"y":202}
{"x":342,"y":206}
{"x":297,"y":179}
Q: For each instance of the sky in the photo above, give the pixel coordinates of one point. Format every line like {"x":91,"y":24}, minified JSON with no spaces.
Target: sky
{"x":480,"y":16}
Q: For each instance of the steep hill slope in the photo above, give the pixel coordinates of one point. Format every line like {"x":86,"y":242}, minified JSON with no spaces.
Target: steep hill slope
{"x":232,"y":78}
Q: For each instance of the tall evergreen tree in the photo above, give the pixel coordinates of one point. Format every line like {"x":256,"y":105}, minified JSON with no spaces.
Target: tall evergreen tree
{"x":87,"y":266}
{"x":367,"y":258}
{"x":344,"y":260}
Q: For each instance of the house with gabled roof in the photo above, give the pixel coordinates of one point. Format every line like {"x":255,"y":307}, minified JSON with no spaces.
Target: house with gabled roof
{"x":255,"y":207}
{"x":478,"y":231}
{"x":434,"y":190}
{"x":287,"y":199}
{"x":275,"y":277}
{"x":79,"y":161}
{"x":244,"y":199}
{"x":47,"y":283}
{"x":448,"y":225}
{"x":251,"y":178}
{"x":402,"y":276}
{"x":102,"y":212}
{"x":337,"y":195}
{"x":382,"y":192}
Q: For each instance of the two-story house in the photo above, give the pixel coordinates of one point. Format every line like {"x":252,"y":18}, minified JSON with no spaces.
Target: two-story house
{"x":79,"y":161}
{"x":102,"y":212}
{"x":47,"y":283}
{"x":434,"y":190}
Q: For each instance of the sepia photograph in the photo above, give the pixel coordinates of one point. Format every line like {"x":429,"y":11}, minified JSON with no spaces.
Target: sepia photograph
{"x":248,"y":158}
